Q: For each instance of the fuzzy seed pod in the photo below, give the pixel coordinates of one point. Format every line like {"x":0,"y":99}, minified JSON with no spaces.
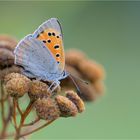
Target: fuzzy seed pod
{"x":80,"y":66}
{"x":6,"y":58}
{"x":91,"y":70}
{"x":68,"y":82}
{"x":67,"y":107}
{"x":8,"y":42}
{"x":99,"y":87}
{"x":18,"y":86}
{"x":72,"y":71}
{"x":88,"y":92}
{"x":74,"y":57}
{"x":7,"y":45}
{"x":71,"y":95}
{"x":14,"y":75}
{"x":9,"y":70}
{"x":46,"y":109}
{"x":38,"y":89}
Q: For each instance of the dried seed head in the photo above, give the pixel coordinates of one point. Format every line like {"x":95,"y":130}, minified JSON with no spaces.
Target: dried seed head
{"x":46,"y":109}
{"x":71,"y":95}
{"x":8,"y":42}
{"x":91,"y":70}
{"x":79,"y":65}
{"x":99,"y":87}
{"x":6,"y":58}
{"x":72,"y":70}
{"x":17,"y":87}
{"x":38,"y":89}
{"x":74,"y":57}
{"x":67,"y":81}
{"x":14,"y":75}
{"x":7,"y":45}
{"x":9,"y":70}
{"x":88,"y":92}
{"x":67,"y":107}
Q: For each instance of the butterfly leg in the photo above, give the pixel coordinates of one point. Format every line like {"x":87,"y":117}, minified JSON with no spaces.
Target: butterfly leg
{"x":53,"y":86}
{"x":49,"y":89}
{"x":57,"y":83}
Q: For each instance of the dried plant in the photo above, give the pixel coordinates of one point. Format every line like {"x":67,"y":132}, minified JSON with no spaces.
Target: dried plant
{"x":7,"y":45}
{"x":47,"y":106}
{"x":81,"y":66}
{"x":22,"y":96}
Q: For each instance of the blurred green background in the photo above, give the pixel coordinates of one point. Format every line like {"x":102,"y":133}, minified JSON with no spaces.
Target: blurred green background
{"x":108,"y":32}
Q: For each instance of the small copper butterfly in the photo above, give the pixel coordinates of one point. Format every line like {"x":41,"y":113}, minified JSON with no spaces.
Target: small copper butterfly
{"x":41,"y":54}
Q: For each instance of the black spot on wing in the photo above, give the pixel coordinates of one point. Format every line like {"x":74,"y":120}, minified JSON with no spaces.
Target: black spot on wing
{"x":44,"y":41}
{"x":56,"y":46}
{"x":49,"y":41}
{"x":57,"y":55}
{"x":49,"y":34}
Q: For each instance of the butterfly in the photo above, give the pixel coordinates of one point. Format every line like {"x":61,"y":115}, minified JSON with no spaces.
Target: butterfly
{"x":41,"y":54}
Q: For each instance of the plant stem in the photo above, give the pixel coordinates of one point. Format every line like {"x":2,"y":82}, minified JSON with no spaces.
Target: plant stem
{"x":19,"y":109}
{"x":2,"y":102}
{"x":37,"y":129}
{"x":23,"y":117}
{"x":5,"y":120}
{"x":14,"y":113}
{"x":33,"y":122}
{"x":2,"y":135}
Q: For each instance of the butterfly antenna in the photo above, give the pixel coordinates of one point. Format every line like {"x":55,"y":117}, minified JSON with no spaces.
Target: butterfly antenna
{"x":79,"y":79}
{"x":75,"y":84}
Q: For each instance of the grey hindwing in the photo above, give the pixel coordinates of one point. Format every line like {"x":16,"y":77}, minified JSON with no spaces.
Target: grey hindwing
{"x":36,"y":58}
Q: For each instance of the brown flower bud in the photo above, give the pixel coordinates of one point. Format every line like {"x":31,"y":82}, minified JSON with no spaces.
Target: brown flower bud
{"x":67,"y":82}
{"x":80,"y":66}
{"x":7,"y":45}
{"x":13,"y":75}
{"x":88,"y":93}
{"x":6,"y":58}
{"x":67,"y":107}
{"x":46,"y":109}
{"x":18,"y":86}
{"x":9,"y":70}
{"x":91,"y":70}
{"x":99,"y":87}
{"x":71,"y":95}
{"x":8,"y":42}
{"x":74,"y":57}
{"x":38,"y":89}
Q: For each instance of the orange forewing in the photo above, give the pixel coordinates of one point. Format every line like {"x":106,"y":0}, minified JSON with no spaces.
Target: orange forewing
{"x":53,"y":41}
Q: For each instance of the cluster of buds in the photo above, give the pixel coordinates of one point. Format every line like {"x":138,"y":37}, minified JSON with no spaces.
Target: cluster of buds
{"x":48,"y":106}
{"x":63,"y":102}
{"x":78,"y":65}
